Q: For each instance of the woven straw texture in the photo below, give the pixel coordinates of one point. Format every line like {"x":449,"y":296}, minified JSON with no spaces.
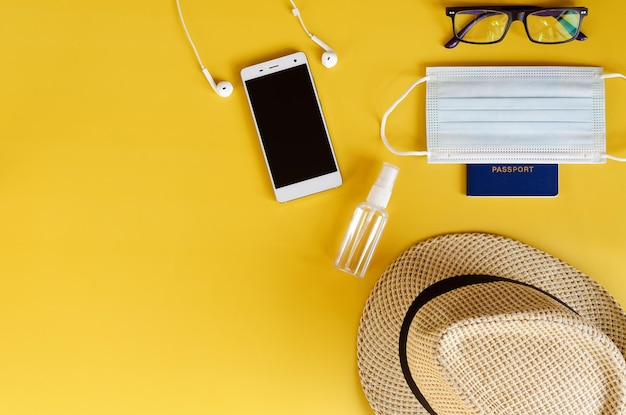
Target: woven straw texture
{"x":432,"y":260}
{"x":504,"y":348}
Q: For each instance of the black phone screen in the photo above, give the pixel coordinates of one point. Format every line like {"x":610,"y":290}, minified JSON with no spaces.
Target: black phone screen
{"x":291,"y":126}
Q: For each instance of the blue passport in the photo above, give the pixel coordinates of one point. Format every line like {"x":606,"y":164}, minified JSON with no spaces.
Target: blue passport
{"x":513,"y":180}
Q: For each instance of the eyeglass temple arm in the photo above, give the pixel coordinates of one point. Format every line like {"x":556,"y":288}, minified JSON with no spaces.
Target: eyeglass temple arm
{"x":455,"y":39}
{"x":452,"y":43}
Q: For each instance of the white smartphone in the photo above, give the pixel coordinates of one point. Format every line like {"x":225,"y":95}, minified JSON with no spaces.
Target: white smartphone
{"x":291,"y":127}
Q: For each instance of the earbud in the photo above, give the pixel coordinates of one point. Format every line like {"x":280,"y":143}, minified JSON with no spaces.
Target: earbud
{"x":223,"y":88}
{"x":329,"y":58}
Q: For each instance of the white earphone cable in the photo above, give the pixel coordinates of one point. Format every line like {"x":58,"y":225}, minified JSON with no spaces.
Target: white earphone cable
{"x":383,"y":123}
{"x":296,"y":12}
{"x":193,"y":46}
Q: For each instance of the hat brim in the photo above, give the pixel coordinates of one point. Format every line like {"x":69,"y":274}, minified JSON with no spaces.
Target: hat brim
{"x":449,"y":255}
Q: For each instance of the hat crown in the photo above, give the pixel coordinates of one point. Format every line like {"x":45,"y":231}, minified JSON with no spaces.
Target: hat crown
{"x":572,"y":303}
{"x":502,"y":347}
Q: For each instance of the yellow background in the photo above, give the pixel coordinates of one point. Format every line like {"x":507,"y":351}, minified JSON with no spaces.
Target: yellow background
{"x":145,"y":267}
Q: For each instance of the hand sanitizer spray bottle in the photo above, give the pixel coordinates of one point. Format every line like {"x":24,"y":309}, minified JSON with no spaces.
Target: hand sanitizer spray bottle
{"x":367,"y":225}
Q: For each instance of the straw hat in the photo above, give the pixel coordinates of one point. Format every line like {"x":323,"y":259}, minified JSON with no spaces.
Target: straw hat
{"x":474,"y":323}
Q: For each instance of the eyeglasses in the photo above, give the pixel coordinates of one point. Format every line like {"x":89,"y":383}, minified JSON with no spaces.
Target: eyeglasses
{"x":485,"y":25}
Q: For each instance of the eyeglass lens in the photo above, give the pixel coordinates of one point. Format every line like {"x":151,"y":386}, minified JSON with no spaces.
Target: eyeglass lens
{"x":480,"y":26}
{"x":553,"y":26}
{"x":489,"y":26}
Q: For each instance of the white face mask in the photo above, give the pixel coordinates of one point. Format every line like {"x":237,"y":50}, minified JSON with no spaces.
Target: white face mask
{"x":512,"y":114}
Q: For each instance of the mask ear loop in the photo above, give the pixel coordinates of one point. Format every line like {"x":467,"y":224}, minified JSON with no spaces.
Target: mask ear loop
{"x":605,"y":155}
{"x":383,"y":123}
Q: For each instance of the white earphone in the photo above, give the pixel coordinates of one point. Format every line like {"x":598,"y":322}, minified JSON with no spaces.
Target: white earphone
{"x":225,"y":88}
{"x":222,"y":88}
{"x":329,"y":57}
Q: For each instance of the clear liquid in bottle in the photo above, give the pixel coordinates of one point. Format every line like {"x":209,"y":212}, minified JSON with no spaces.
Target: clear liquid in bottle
{"x":366,"y":226}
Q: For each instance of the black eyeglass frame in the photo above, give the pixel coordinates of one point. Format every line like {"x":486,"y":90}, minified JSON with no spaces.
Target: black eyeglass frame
{"x":514,"y":13}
